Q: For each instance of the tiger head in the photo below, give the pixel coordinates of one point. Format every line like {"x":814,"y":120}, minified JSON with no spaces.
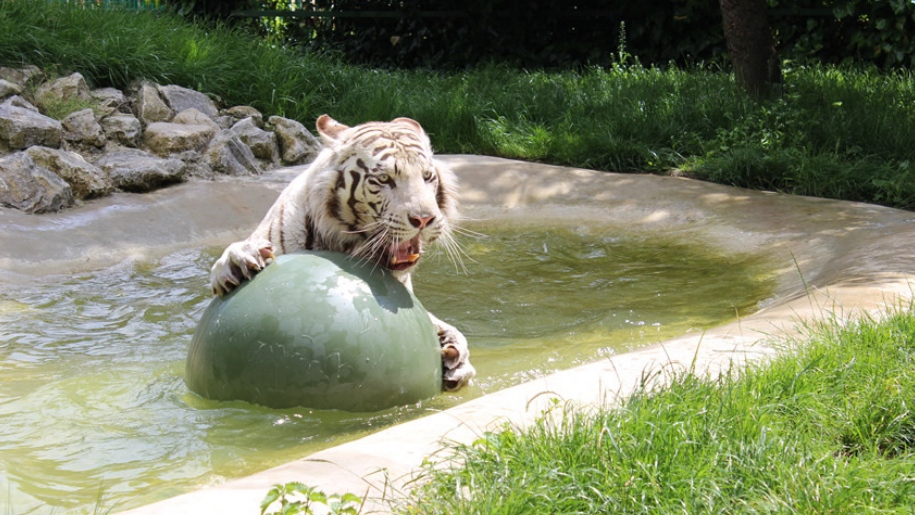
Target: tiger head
{"x":384,"y":194}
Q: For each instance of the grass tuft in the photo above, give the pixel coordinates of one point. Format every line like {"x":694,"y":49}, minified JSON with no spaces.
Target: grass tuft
{"x":826,"y":428}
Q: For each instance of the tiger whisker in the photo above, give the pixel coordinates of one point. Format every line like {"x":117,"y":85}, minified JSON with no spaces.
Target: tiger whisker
{"x":454,"y":251}
{"x":368,"y":228}
{"x":467,"y":232}
{"x":371,"y":246}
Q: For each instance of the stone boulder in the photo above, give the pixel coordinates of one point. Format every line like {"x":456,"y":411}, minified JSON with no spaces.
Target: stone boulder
{"x":122,"y":128}
{"x":20,"y":76}
{"x":150,"y":106}
{"x":164,"y":138}
{"x":262,"y":143}
{"x":228,"y":155}
{"x":179,"y":99}
{"x":81,"y":128}
{"x":86,"y":180}
{"x":297,"y":145}
{"x":29,"y":187}
{"x":239,"y":113}
{"x":18,"y":101}
{"x":72,"y":88}
{"x":110,"y":100}
{"x":135,"y":140}
{"x":8,"y":89}
{"x":21,"y":128}
{"x":138,"y":171}
{"x":194,"y":117}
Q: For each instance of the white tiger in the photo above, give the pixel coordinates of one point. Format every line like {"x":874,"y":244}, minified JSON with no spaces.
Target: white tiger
{"x":374,"y":192}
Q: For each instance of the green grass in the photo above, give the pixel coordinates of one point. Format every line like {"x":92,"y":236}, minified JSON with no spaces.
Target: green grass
{"x":827,"y":428}
{"x":840,"y":133}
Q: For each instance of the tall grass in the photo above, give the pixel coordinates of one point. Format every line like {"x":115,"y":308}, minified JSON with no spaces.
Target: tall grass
{"x":828,"y":428}
{"x":841,"y":133}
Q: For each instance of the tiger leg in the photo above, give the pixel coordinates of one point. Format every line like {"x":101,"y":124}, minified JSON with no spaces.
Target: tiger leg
{"x":455,"y":356}
{"x":239,"y":262}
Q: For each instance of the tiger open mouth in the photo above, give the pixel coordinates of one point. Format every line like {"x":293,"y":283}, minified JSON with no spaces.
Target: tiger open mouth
{"x":402,"y":255}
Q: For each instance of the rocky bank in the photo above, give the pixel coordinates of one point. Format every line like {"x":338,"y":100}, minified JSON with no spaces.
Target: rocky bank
{"x":137,"y":140}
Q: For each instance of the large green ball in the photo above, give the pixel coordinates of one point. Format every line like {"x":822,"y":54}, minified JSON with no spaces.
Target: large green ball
{"x":320,"y":330}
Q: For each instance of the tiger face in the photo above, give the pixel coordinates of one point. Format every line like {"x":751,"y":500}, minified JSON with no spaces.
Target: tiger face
{"x":384,"y":193}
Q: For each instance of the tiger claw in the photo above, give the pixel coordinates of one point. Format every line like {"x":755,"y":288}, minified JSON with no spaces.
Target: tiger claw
{"x":456,"y":378}
{"x":240,"y":261}
{"x":450,"y":353}
{"x":456,"y":368}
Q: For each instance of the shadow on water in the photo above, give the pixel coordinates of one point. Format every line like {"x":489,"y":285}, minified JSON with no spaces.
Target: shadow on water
{"x":91,"y":366}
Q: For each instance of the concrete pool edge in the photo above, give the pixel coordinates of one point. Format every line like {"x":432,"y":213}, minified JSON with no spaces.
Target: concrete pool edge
{"x":832,"y":259}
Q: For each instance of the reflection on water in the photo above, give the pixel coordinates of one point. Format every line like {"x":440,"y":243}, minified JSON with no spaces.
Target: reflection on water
{"x":94,"y":411}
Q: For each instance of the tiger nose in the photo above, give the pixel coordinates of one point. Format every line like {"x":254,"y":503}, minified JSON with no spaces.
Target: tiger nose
{"x":420,"y":221}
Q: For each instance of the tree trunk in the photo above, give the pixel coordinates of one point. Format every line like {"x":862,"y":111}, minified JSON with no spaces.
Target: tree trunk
{"x":749,"y":40}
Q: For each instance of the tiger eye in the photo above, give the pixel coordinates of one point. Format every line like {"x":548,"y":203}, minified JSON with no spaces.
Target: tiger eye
{"x":383,"y":178}
{"x":427,"y":175}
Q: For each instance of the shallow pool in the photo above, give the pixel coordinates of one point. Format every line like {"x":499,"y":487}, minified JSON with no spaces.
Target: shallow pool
{"x":94,"y":412}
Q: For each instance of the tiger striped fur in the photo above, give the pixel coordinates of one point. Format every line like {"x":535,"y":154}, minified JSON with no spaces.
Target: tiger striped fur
{"x":374,"y":192}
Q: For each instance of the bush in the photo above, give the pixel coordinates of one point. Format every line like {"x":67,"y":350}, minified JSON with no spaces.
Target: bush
{"x":562,"y":34}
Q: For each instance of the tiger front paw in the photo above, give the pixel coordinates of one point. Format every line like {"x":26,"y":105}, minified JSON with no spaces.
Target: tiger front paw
{"x":456,"y":378}
{"x":239,"y":262}
{"x":457,"y":370}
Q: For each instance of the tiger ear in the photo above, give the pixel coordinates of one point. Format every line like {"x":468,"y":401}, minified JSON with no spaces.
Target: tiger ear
{"x":409,"y":121}
{"x":329,"y":129}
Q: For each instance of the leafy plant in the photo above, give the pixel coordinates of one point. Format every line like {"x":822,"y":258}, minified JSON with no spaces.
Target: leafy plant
{"x":296,"y":498}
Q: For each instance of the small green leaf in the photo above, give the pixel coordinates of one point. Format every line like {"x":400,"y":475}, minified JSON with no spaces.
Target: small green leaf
{"x":317,"y":496}
{"x":272,"y":495}
{"x":301,"y":488}
{"x":350,"y":497}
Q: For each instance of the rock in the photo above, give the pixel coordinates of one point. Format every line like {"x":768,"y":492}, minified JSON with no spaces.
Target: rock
{"x":262,"y":143}
{"x":31,"y":188}
{"x":150,"y":106}
{"x":194,"y":117}
{"x":18,"y":101}
{"x":72,"y":88}
{"x":238,"y":113}
{"x":225,"y":121}
{"x":8,"y":89}
{"x":20,"y":76}
{"x":123,"y":128}
{"x":196,"y":165}
{"x":110,"y":100}
{"x":86,"y":180}
{"x":138,"y":171}
{"x":81,"y":127}
{"x":228,"y":155}
{"x":296,"y":143}
{"x":21,"y":128}
{"x":165,"y":138}
{"x":181,"y":132}
{"x":179,"y":99}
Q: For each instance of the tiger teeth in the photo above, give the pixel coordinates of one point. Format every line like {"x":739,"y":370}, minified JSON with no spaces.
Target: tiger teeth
{"x":410,"y":259}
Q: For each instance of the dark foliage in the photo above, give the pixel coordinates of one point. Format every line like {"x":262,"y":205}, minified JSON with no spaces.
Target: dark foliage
{"x":562,"y":33}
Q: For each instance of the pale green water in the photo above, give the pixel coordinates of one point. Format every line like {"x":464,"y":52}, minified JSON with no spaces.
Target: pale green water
{"x":93,"y":404}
